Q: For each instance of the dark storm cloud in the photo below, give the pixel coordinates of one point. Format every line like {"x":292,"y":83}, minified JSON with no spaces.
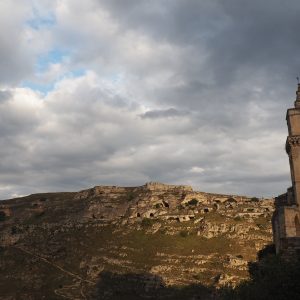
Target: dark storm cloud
{"x":242,"y":39}
{"x":230,"y":49}
{"x":165,"y":113}
{"x":235,"y":33}
{"x":181,"y":22}
{"x":260,"y":36}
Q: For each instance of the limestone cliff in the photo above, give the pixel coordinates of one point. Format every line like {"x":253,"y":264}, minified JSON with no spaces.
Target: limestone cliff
{"x":59,"y":244}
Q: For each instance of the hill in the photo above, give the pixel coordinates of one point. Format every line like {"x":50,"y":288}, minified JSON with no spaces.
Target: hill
{"x":65,"y":245}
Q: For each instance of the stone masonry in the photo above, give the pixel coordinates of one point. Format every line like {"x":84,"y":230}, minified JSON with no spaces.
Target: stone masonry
{"x":286,"y":225}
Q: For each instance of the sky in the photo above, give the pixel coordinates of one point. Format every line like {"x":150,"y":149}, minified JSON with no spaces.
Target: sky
{"x":123,"y":92}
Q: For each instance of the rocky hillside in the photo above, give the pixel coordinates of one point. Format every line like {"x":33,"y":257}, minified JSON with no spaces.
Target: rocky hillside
{"x":63,"y":245}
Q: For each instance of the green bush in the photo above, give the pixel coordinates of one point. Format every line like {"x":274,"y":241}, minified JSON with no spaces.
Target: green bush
{"x":183,"y":233}
{"x":271,"y":278}
{"x":2,"y":216}
{"x":146,"y":222}
{"x":130,"y":196}
{"x":231,"y":199}
{"x":254,"y":199}
{"x":163,"y":230}
{"x":193,"y":202}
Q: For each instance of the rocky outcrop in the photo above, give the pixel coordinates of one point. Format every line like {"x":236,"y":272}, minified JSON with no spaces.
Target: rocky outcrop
{"x":157,"y":186}
{"x":181,"y":236}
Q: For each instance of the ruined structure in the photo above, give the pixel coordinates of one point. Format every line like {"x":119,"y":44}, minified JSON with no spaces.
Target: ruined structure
{"x":286,"y":218}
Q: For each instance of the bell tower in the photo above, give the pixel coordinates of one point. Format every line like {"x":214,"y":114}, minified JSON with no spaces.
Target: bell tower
{"x":286,"y":217}
{"x":293,"y":145}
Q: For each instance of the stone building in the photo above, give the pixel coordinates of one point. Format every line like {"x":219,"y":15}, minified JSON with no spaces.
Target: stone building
{"x":286,"y":218}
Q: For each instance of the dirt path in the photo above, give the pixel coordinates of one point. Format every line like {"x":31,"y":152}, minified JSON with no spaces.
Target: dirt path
{"x":78,"y":278}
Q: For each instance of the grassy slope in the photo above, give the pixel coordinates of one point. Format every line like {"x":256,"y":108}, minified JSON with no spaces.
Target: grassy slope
{"x":87,"y":250}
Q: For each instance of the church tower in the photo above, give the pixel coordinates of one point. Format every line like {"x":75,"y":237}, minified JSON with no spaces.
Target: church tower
{"x":293,"y":145}
{"x":286,"y":218}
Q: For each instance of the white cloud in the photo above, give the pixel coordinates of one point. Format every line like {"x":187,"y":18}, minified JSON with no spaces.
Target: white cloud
{"x":166,"y":93}
{"x":197,"y":170}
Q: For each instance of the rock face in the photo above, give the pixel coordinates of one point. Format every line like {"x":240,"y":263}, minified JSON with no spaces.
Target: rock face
{"x":57,"y":244}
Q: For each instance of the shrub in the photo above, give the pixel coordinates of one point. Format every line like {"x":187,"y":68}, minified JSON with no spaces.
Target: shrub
{"x":271,"y":278}
{"x":2,"y":216}
{"x":146,"y":222}
{"x":130,"y":196}
{"x":193,"y":202}
{"x":14,"y":230}
{"x":197,"y":276}
{"x":267,"y":250}
{"x":183,"y":233}
{"x":254,"y":199}
{"x":163,"y":230}
{"x":231,"y":199}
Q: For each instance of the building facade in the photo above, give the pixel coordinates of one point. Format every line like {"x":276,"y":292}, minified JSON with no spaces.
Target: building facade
{"x":286,"y":218}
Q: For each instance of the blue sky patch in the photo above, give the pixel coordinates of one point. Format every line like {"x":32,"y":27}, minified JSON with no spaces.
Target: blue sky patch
{"x":39,"y":87}
{"x":52,"y":57}
{"x":45,"y":88}
{"x":37,"y":21}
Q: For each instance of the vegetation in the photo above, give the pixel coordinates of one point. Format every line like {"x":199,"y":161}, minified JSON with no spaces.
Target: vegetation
{"x":53,"y":229}
{"x":271,"y":279}
{"x":146,"y":222}
{"x":262,"y":222}
{"x":193,"y":202}
{"x":231,"y":199}
{"x":14,"y":230}
{"x":183,"y":233}
{"x":130,"y":196}
{"x":2,"y":216}
{"x":254,"y":199}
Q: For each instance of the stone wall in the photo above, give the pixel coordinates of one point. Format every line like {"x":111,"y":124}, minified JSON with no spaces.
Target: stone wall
{"x":286,"y":224}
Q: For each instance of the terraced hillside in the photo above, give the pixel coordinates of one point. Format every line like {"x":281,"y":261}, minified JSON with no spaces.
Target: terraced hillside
{"x":65,"y":245}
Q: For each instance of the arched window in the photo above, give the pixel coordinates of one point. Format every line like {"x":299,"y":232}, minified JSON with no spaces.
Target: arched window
{"x":297,"y":225}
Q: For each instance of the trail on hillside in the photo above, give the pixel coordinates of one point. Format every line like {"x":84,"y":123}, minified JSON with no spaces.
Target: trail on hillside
{"x":78,"y":278}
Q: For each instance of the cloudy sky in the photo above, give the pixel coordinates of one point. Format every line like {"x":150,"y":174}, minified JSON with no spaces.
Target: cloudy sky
{"x":122,"y":92}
